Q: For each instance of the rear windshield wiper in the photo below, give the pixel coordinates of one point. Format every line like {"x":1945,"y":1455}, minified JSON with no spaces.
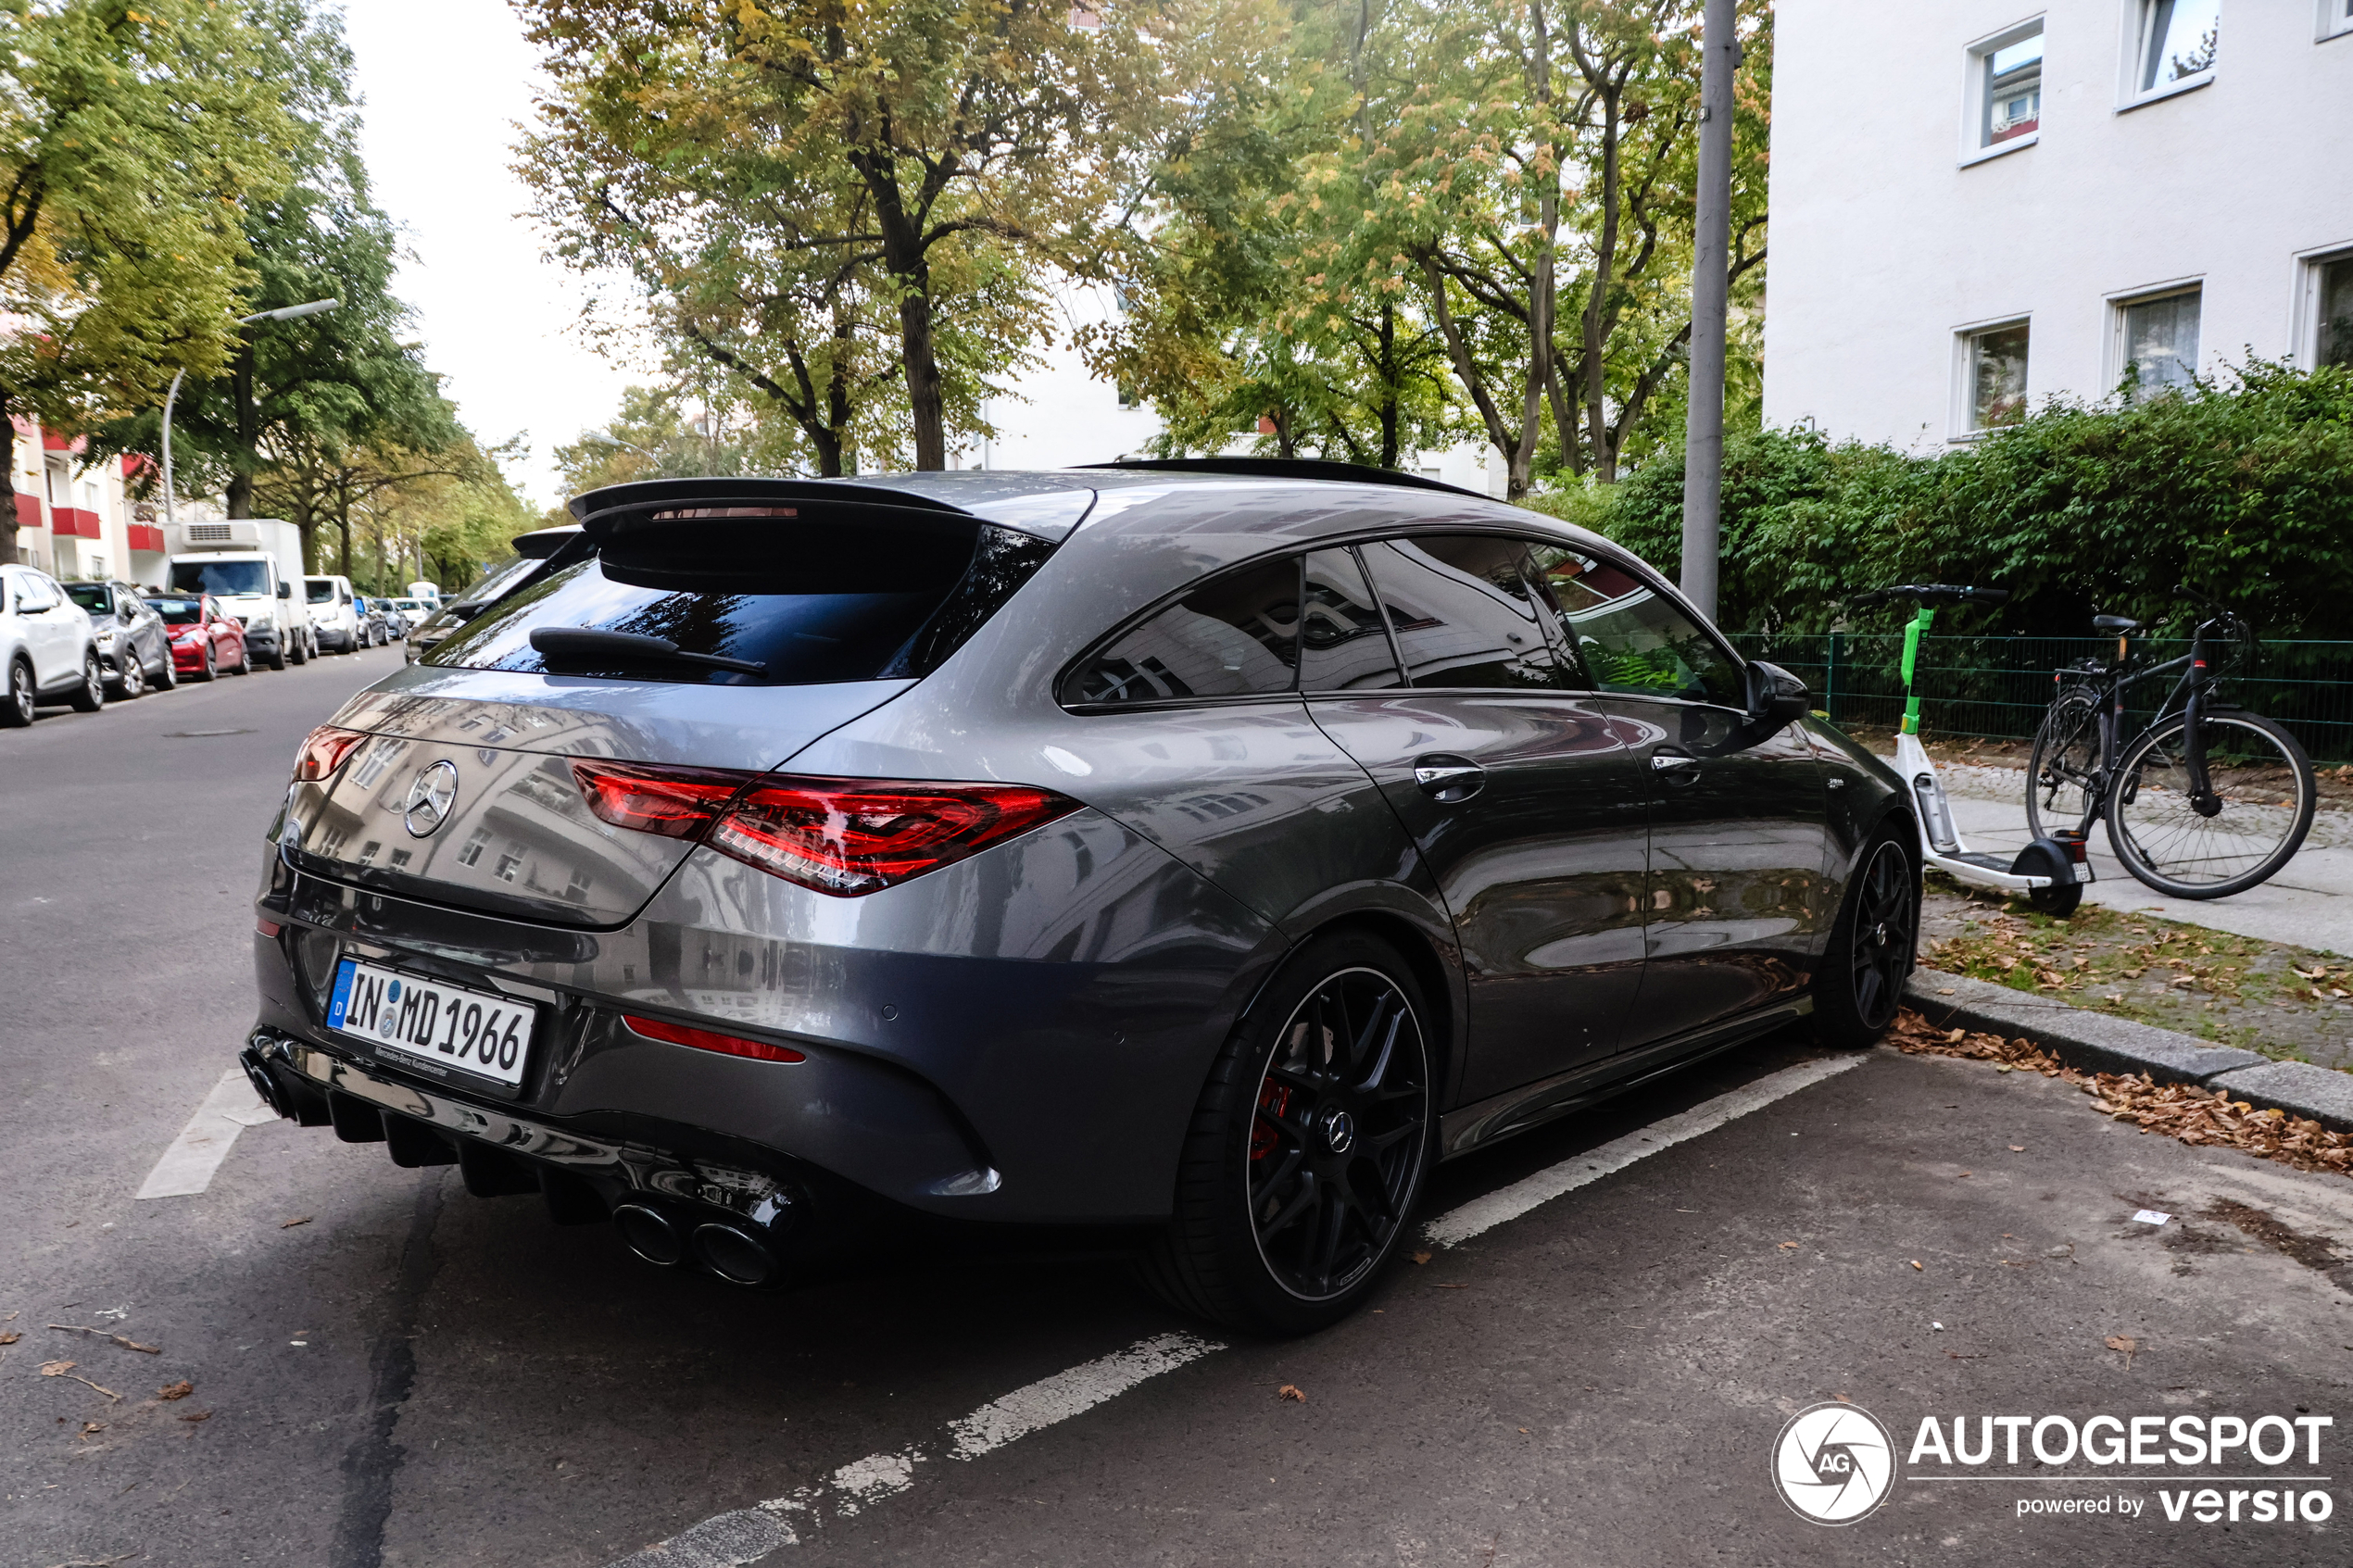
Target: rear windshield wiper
{"x":596,"y":644}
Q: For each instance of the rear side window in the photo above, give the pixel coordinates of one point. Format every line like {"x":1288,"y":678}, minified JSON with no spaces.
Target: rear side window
{"x":1632,"y":640}
{"x":1235,"y":636}
{"x":811,"y":610}
{"x":1467,"y":612}
{"x":1342,"y":645}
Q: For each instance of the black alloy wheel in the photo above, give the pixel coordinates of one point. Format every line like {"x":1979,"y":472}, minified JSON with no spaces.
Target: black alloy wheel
{"x":1309,"y":1148}
{"x":91,"y":696}
{"x":22,"y":699}
{"x":1873,"y":947}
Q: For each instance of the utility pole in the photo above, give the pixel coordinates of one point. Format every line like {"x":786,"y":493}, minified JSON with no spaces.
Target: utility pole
{"x":1711,"y":261}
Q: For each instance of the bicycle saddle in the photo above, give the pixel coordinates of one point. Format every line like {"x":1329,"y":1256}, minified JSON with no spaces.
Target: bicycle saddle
{"x":2114,"y":624}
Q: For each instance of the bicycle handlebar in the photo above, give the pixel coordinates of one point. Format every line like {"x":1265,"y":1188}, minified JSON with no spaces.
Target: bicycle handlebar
{"x":1932,"y":593}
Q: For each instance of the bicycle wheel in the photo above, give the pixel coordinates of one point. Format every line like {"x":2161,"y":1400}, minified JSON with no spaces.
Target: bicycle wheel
{"x":2066,"y":759}
{"x":2256,"y":817}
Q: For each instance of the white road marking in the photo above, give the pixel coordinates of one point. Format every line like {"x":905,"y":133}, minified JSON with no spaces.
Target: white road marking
{"x":747,"y":1535}
{"x":1509,"y":1203}
{"x":187,"y":1165}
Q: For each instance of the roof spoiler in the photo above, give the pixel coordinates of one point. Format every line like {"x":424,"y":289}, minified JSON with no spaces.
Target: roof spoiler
{"x":1290,"y":467}
{"x":540,"y":544}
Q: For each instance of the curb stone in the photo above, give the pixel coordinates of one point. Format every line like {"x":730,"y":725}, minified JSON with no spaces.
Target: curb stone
{"x":2094,"y":1040}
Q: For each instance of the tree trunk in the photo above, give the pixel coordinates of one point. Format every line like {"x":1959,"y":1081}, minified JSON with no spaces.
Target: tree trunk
{"x":906,"y":259}
{"x":8,"y":484}
{"x":242,"y":460}
{"x":1389,"y":398}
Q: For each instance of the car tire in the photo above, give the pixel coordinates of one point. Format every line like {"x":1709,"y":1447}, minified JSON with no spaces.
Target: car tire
{"x":167,"y":673}
{"x":23,"y":698}
{"x":1297,"y":1184}
{"x":244,"y":661}
{"x":299,"y":653}
{"x":131,"y":684}
{"x":277,"y":659}
{"x":1874,"y":945}
{"x":210,"y":670}
{"x":91,"y":696}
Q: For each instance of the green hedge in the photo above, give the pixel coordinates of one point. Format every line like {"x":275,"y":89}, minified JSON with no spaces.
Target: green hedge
{"x":2243,"y":489}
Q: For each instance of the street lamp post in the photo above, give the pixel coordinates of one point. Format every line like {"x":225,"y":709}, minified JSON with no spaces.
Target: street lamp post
{"x":285,"y":313}
{"x":1711,"y":263}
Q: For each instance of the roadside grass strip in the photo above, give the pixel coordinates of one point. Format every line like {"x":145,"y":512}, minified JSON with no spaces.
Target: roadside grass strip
{"x":745,"y":1534}
{"x":189,"y":1162}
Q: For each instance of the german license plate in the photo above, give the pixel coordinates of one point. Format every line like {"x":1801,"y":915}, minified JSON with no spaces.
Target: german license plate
{"x":440,"y":1028}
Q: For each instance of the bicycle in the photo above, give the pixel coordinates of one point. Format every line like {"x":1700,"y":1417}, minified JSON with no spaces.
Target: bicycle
{"x":2051,"y":871}
{"x":2207,"y":800}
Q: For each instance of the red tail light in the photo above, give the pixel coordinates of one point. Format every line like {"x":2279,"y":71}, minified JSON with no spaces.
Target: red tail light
{"x":841,"y":836}
{"x":854,"y":837}
{"x":708,"y":1040}
{"x":669,"y":802}
{"x":323,"y":752}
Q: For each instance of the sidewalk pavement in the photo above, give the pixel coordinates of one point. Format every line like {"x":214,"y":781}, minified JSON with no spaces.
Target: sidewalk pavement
{"x":2308,"y":904}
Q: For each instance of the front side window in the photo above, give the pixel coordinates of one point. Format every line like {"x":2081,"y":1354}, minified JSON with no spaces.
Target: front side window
{"x":1235,"y":636}
{"x":2160,"y":342}
{"x":2177,"y":42}
{"x":1996,"y":372}
{"x":1632,"y":640}
{"x":2012,"y":105}
{"x":2335,"y":344}
{"x":95,"y":597}
{"x":319,"y":591}
{"x":1466,"y":611}
{"x":1343,"y":646}
{"x":228,"y":578}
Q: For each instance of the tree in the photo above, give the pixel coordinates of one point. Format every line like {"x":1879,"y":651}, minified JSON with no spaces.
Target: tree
{"x":320,"y":392}
{"x":795,"y":183}
{"x":129,"y":139}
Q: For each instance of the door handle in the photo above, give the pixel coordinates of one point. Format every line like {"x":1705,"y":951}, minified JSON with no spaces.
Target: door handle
{"x":1448,"y":779}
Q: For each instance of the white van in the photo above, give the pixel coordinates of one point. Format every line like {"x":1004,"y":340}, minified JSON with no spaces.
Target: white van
{"x":334,"y":619}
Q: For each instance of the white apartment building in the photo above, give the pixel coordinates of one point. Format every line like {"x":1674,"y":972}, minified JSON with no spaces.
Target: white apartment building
{"x":77,"y":523}
{"x":1981,"y":204}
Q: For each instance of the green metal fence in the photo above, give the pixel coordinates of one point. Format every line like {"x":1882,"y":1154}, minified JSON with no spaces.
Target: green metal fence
{"x":1998,"y":687}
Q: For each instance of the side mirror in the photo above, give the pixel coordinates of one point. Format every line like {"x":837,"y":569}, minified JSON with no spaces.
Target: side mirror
{"x":285,"y":590}
{"x":1776,"y":698}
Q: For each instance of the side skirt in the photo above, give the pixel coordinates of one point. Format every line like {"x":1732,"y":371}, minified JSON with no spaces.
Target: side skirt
{"x":1531,"y":1105}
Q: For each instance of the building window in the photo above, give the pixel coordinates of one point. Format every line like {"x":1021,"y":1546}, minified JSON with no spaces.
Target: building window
{"x":2160,"y":348}
{"x":2009,"y":73}
{"x":2176,"y":43}
{"x":2337,"y":18}
{"x":2333,"y":340}
{"x":1995,"y":389}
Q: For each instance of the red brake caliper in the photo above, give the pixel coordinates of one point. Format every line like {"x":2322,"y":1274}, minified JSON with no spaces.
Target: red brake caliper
{"x":1275,"y":1099}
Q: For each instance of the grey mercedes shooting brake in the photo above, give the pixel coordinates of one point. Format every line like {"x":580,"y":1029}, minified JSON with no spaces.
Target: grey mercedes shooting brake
{"x":1202,"y":848}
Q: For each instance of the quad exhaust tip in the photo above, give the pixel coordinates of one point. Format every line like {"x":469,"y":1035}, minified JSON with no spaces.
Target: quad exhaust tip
{"x":649,"y":1232}
{"x":734,"y":1255}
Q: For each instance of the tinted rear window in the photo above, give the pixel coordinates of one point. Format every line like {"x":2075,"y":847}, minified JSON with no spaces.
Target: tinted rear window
{"x":95,"y":597}
{"x":1235,"y":636}
{"x":812,"y":611}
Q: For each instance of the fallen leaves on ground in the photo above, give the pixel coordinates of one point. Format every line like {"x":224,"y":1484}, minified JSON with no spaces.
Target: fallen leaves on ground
{"x":1421,"y":1257}
{"x":124,"y":1340}
{"x":1787,"y":1245}
{"x":2186,"y":1111}
{"x":1292,"y":1391}
{"x":179,"y":1390}
{"x":297,"y":1219}
{"x":9,"y":1338}
{"x":1916,"y":1263}
{"x":65,"y":1369}
{"x":197,"y":1415}
{"x":2127,"y":1344}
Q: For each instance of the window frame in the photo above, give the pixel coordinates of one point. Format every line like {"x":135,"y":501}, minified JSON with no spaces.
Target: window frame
{"x":2311,"y":265}
{"x":2138,"y":14}
{"x":2119,"y":305}
{"x":2333,"y":18}
{"x":1976,"y":107}
{"x":1069,"y":703}
{"x":1962,"y":421}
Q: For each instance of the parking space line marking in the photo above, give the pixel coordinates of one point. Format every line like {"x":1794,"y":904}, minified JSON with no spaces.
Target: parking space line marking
{"x":1482,"y":1214}
{"x":189,"y":1162}
{"x":744,"y":1535}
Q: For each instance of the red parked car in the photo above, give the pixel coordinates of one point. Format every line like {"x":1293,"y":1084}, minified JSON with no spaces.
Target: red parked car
{"x":205,"y":639}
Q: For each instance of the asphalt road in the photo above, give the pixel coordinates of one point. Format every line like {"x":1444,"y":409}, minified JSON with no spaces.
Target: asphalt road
{"x":412,"y":1377}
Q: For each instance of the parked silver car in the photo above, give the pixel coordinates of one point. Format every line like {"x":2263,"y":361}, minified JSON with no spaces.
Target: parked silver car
{"x":1205,"y":849}
{"x":131,"y":639}
{"x":47,"y":650}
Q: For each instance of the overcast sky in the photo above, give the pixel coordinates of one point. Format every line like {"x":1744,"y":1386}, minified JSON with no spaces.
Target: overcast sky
{"x":445,"y":82}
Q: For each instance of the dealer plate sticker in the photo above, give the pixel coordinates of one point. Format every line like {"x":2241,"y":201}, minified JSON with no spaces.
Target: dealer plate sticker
{"x":444,"y":1028}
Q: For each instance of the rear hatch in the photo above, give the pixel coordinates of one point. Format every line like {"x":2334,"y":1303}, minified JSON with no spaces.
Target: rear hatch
{"x":823,"y":600}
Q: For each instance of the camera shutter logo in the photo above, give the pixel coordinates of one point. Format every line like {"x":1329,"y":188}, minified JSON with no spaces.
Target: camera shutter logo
{"x":431,"y":794}
{"x":1833,"y":1463}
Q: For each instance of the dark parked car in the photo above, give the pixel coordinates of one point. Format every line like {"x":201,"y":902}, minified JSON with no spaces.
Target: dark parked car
{"x":132,"y":638}
{"x":1203,"y":848}
{"x":530,"y":549}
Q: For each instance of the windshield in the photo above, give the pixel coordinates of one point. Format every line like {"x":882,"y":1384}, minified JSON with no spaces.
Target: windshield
{"x":178,"y":612}
{"x":92,"y":597}
{"x":319,"y":590}
{"x":224,"y":577}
